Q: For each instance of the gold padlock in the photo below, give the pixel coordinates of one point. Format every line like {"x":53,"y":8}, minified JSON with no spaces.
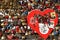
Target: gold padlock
{"x":53,"y":14}
{"x":2,"y":24}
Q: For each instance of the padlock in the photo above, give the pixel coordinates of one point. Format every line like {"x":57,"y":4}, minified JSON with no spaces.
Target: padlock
{"x":6,"y":16}
{"x":2,"y":20}
{"x":23,"y":37}
{"x":3,"y":38}
{"x":9,"y":26}
{"x":2,"y":24}
{"x":0,"y":34}
{"x":5,"y":23}
{"x":53,"y":15}
{"x":17,"y":29}
{"x":10,"y":20}
{"x":9,"y":37}
{"x":9,"y":16}
{"x":26,"y":33}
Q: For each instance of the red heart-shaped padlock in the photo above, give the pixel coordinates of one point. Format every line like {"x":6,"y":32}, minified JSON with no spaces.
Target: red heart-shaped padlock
{"x":33,"y":22}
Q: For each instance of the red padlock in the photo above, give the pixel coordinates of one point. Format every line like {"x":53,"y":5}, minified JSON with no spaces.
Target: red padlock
{"x":10,"y":36}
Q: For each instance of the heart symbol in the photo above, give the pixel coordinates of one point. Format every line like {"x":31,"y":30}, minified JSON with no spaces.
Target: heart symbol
{"x":38,"y":27}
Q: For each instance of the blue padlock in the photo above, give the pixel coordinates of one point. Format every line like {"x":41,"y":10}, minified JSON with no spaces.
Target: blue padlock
{"x":8,"y":26}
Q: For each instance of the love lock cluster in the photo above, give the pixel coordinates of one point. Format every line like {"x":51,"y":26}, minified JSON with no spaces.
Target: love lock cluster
{"x":43,"y":22}
{"x":13,"y":27}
